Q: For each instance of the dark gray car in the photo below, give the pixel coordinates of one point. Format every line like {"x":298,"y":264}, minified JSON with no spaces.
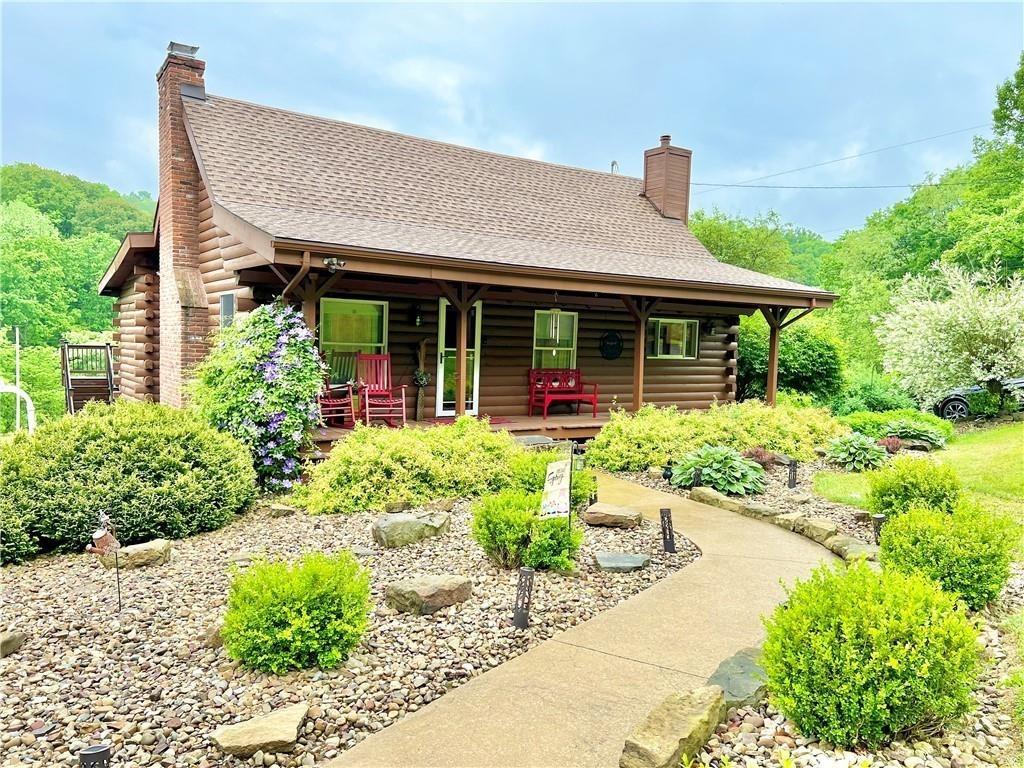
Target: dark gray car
{"x":956,"y":406}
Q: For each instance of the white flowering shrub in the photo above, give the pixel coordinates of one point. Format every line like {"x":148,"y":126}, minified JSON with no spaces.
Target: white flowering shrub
{"x":952,"y":329}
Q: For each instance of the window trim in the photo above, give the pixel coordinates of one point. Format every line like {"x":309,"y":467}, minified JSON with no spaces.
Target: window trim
{"x":230,"y":316}
{"x":384,"y":304}
{"x":658,"y":321}
{"x":575,"y":334}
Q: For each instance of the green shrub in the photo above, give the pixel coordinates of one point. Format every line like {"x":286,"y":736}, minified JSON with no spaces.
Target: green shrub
{"x":856,"y":452}
{"x":858,"y":657}
{"x":528,"y":469}
{"x":553,"y":544}
{"x":157,"y":471}
{"x":260,"y":383}
{"x":910,"y":429}
{"x":968,"y":552}
{"x":723,"y":469}
{"x":377,"y":465}
{"x":809,"y":360}
{"x":910,"y":481}
{"x":503,"y":523}
{"x":310,"y":614}
{"x":870,"y":392}
{"x":652,"y":435}
{"x":983,"y":403}
{"x":878,"y":424}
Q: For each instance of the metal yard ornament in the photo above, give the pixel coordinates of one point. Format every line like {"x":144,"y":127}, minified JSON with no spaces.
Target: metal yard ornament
{"x":96,"y":756}
{"x":524,"y":597}
{"x":104,"y":542}
{"x":792,"y":473}
{"x":876,"y":524}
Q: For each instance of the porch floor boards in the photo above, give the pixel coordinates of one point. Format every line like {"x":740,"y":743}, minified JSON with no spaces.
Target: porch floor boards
{"x":559,"y":427}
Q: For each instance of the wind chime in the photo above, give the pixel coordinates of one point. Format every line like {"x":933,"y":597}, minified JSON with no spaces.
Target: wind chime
{"x":104,"y":542}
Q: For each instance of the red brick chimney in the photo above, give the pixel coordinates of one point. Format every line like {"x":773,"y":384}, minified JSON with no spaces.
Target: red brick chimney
{"x":667,"y":179}
{"x":184,"y":313}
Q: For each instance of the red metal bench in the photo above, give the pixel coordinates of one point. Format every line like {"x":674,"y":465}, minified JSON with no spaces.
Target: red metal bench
{"x":559,"y":385}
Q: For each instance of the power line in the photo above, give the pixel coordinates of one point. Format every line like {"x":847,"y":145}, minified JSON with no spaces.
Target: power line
{"x":841,"y":160}
{"x":850,"y":186}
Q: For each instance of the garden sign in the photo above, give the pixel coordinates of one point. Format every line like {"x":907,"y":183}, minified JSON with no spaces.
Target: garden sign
{"x":555,"y":500}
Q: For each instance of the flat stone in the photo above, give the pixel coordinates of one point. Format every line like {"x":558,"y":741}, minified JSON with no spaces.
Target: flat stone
{"x":611,"y":516}
{"x":789,"y":520}
{"x":741,"y":677}
{"x":861,"y":551}
{"x":401,"y":505}
{"x":529,"y":440}
{"x":679,"y":726}
{"x":11,"y":641}
{"x":155,"y":552}
{"x":713,"y":498}
{"x":212,"y":637}
{"x":916,"y":445}
{"x":276,"y":732}
{"x":426,"y":594}
{"x":621,"y":562}
{"x":757,"y":509}
{"x":280,"y":510}
{"x":403,"y":528}
{"x":819,"y":529}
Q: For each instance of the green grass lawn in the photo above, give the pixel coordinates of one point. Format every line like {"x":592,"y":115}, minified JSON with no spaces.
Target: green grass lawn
{"x":990,"y":463}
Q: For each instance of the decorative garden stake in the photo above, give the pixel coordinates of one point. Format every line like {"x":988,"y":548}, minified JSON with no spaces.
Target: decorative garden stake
{"x":96,"y":756}
{"x":524,"y":596}
{"x":668,"y":536}
{"x":876,"y":524}
{"x":698,"y":477}
{"x":104,"y":542}
{"x":792,"y":473}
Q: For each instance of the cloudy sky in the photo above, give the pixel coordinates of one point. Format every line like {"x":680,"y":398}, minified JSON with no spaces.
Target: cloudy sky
{"x":753,"y":89}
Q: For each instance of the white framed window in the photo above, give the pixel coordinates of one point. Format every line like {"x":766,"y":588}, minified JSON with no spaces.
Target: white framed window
{"x":670,"y":338}
{"x":227,"y":309}
{"x":349,"y":326}
{"x":554,"y":338}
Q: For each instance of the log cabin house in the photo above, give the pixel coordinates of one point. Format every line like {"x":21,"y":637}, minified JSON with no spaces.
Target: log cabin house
{"x":473,"y":266}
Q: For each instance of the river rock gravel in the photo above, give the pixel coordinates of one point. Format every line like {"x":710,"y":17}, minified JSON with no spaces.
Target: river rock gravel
{"x":154,"y":682}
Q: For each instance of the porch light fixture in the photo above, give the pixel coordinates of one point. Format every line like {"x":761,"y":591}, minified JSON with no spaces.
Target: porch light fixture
{"x":416,"y":315}
{"x":524,"y":597}
{"x":96,"y":756}
{"x":668,"y":536}
{"x":333,"y":264}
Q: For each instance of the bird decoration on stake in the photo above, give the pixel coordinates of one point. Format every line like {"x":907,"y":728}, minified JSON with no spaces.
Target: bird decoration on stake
{"x":104,"y":542}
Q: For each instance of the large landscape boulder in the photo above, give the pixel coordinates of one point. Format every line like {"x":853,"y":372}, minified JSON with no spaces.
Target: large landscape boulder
{"x":426,"y":594}
{"x":11,"y":641}
{"x":155,"y":552}
{"x":820,"y":529}
{"x":403,"y":528}
{"x":741,"y":677}
{"x":611,"y":516}
{"x":276,"y":732}
{"x":715,"y":499}
{"x":679,"y":726}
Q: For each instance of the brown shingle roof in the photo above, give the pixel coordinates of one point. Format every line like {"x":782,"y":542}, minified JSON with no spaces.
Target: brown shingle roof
{"x":306,"y":178}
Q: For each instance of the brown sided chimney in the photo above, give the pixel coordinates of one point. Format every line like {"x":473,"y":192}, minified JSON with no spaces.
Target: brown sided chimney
{"x":184,"y":314}
{"x":667,"y":179}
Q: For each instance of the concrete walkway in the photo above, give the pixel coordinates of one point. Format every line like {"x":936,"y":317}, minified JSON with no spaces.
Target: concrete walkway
{"x":572,"y":700}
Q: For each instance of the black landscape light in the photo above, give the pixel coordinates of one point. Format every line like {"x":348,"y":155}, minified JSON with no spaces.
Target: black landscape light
{"x":876,"y":524}
{"x":524,"y":596}
{"x":668,"y":536}
{"x":792,"y":473}
{"x":698,"y":477}
{"x":96,"y":756}
{"x":666,"y":472}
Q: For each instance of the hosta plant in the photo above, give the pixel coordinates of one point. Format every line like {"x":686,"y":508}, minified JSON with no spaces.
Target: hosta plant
{"x":908,"y":429}
{"x":856,"y":452}
{"x":260,"y":383}
{"x":721,"y":468}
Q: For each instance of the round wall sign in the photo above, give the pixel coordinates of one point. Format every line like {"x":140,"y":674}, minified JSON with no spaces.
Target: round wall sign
{"x":610,"y":345}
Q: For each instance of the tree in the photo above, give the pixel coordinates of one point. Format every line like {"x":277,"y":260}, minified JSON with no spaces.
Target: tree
{"x":951,"y":328}
{"x":1008,"y":115}
{"x":757,"y":243}
{"x":809,"y":360}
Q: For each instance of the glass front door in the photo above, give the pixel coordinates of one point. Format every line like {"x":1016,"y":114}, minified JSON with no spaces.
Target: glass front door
{"x":447,"y":330}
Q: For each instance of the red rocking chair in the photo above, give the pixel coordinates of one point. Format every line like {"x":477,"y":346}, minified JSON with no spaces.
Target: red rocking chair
{"x":378,"y":398}
{"x":336,"y":405}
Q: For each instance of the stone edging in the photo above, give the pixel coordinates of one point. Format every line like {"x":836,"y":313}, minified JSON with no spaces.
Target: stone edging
{"x":819,"y":529}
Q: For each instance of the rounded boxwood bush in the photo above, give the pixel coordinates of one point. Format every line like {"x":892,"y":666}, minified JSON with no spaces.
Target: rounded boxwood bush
{"x":527,"y":470}
{"x":156,"y":471}
{"x":310,"y":614}
{"x":968,"y":552}
{"x":858,"y":657}
{"x":856,"y":452}
{"x":909,"y":481}
{"x":508,"y":528}
{"x":260,"y":382}
{"x":721,"y":468}
{"x":554,"y":543}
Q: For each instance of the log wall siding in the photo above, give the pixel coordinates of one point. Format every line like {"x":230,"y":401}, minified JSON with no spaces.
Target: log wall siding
{"x":507,"y":354}
{"x":137,"y":335}
{"x":216,"y":248}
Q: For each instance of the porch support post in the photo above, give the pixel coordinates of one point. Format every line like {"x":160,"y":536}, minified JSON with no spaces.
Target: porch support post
{"x":641,"y":310}
{"x":776,"y":317}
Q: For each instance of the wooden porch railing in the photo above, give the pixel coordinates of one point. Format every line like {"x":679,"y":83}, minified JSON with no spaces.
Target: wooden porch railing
{"x":87,"y":373}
